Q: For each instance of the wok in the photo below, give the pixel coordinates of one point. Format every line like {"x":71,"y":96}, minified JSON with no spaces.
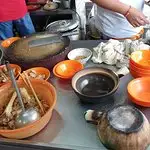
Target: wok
{"x":40,"y":49}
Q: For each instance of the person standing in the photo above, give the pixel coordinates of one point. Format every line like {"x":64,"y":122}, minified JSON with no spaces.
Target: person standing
{"x":118,"y":19}
{"x":13,"y":14}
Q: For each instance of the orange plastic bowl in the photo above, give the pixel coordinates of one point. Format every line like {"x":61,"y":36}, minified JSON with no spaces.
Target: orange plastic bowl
{"x":133,"y":67}
{"x":134,"y":75}
{"x":17,"y":71}
{"x":6,"y":43}
{"x":46,"y":91}
{"x":139,"y":91}
{"x":138,"y":73}
{"x":66,"y":69}
{"x":141,"y":59}
{"x":39,"y":71}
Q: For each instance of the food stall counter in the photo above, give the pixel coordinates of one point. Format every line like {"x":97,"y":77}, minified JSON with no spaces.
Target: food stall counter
{"x":67,"y":128}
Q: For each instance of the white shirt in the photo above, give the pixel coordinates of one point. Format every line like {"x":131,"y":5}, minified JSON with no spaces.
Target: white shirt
{"x":114,"y":24}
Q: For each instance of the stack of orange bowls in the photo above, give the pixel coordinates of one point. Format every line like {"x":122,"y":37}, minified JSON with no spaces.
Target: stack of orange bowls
{"x":140,"y":63}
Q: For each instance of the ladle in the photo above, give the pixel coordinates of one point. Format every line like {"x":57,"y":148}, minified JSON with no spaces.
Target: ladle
{"x":26,"y":116}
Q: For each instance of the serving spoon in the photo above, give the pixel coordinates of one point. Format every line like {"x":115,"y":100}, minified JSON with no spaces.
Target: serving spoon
{"x":26,"y":116}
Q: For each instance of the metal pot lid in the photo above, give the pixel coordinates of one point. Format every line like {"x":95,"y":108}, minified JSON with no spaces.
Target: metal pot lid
{"x":125,"y":118}
{"x":62,"y":25}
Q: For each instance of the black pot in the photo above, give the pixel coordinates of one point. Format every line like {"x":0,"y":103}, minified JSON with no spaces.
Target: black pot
{"x":95,"y":85}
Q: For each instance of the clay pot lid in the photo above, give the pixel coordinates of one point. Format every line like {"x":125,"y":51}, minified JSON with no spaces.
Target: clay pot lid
{"x":125,"y":118}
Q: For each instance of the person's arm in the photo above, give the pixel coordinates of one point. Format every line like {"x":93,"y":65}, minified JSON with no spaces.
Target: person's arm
{"x":135,"y":17}
{"x":113,"y":5}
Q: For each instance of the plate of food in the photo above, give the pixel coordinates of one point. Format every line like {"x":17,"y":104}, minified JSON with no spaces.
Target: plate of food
{"x":50,"y":6}
{"x":4,"y":74}
{"x":41,"y":73}
{"x":32,"y":7}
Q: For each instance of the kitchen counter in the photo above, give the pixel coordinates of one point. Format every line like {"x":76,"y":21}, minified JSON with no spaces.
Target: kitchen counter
{"x":67,"y":128}
{"x":42,"y":12}
{"x":42,"y":17}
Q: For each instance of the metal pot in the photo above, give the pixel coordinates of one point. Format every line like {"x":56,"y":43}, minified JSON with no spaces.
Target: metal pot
{"x":66,"y":4}
{"x":68,"y":28}
{"x":41,"y":49}
{"x":123,"y":127}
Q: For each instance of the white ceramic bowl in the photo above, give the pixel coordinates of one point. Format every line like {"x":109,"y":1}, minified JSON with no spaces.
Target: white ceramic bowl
{"x":80,"y":54}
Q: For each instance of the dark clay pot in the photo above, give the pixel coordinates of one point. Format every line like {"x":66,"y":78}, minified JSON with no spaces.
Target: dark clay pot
{"x":95,"y":84}
{"x":122,"y":128}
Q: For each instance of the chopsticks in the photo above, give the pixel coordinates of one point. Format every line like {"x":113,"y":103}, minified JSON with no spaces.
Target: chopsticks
{"x":27,"y":81}
{"x":3,"y":74}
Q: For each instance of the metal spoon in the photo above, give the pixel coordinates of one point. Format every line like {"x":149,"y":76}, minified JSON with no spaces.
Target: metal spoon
{"x":26,"y":116}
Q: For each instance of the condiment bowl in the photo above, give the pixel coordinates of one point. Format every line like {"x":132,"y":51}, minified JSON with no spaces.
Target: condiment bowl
{"x":66,"y":69}
{"x":6,"y":43}
{"x":16,"y":73}
{"x":37,"y":73}
{"x":93,"y":85}
{"x":45,"y":91}
{"x":139,"y":91}
{"x":80,"y":54}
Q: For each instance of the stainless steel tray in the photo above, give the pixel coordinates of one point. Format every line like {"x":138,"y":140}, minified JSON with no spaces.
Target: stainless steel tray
{"x":67,"y":128}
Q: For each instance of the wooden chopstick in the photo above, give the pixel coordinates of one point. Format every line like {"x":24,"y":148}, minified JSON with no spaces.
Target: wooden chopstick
{"x":3,"y":74}
{"x":32,"y":89}
{"x":23,"y":79}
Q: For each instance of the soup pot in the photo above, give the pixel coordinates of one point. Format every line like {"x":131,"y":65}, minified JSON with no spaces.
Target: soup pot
{"x":95,"y":84}
{"x":123,"y":127}
{"x":38,"y":50}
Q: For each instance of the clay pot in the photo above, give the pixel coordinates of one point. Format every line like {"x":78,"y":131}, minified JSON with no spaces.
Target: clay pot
{"x":121,"y":128}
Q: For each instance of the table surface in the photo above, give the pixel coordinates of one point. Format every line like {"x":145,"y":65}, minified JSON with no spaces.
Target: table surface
{"x":67,"y":128}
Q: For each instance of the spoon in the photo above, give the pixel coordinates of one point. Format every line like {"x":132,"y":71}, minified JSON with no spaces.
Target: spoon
{"x":26,"y":116}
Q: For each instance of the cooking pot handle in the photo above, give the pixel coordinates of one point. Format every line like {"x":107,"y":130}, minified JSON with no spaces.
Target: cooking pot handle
{"x":122,"y":72}
{"x":92,"y":116}
{"x":44,"y":41}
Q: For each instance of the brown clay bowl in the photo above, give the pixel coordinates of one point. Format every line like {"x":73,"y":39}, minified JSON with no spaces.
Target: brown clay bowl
{"x":122,"y":127}
{"x":93,"y":85}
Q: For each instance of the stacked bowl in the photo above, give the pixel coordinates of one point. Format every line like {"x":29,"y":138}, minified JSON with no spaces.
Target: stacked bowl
{"x":140,"y":63}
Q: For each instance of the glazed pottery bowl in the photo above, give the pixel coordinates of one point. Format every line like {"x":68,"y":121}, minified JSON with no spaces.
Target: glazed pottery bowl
{"x":93,"y":84}
{"x":80,"y":54}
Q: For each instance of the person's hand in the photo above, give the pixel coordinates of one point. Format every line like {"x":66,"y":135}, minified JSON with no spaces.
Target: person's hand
{"x":136,"y":18}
